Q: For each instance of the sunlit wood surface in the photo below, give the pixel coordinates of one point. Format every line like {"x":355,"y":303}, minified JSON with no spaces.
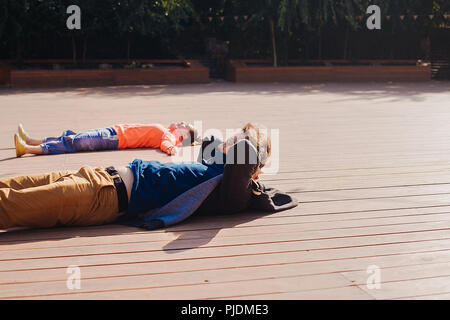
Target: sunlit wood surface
{"x":370,"y":164}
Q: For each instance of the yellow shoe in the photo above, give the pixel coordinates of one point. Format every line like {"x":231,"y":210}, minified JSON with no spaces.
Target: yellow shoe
{"x":20,"y":146}
{"x":22,"y":132}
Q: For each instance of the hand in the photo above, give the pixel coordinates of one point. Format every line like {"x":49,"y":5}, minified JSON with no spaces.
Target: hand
{"x":172,"y":151}
{"x":255,"y":176}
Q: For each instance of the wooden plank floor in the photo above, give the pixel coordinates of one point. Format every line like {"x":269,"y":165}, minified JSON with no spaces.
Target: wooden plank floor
{"x":370,"y":164}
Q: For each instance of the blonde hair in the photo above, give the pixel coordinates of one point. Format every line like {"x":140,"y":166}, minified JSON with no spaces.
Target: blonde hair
{"x":257,"y":135}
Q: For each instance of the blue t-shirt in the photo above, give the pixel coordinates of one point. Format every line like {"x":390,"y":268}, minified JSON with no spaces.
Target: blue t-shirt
{"x":156,"y":184}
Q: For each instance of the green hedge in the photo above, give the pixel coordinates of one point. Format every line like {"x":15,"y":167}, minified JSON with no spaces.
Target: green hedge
{"x":302,"y":29}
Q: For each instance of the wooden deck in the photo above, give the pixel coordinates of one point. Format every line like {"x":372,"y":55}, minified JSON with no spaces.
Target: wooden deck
{"x":370,"y":164}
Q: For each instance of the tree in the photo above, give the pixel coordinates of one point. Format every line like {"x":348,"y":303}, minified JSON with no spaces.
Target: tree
{"x":97,"y":17}
{"x":12,"y":22}
{"x":317,"y":14}
{"x":45,"y":21}
{"x":149,"y":17}
{"x":265,"y":11}
{"x":308,"y":15}
{"x":399,"y":10}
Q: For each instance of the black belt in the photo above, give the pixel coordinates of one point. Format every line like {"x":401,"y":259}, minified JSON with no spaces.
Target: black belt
{"x":120,"y":188}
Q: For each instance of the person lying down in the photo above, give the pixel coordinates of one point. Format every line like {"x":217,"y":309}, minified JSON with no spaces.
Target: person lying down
{"x":121,"y":136}
{"x":147,"y":194}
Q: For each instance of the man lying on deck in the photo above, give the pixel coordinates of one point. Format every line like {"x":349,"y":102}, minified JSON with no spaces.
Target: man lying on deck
{"x":120,"y":136}
{"x":147,"y":194}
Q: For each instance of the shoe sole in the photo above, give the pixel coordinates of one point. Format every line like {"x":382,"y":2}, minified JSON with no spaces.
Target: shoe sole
{"x":16,"y":142}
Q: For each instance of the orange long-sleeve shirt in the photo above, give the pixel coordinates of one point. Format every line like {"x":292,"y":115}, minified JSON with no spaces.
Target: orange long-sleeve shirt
{"x":132,"y":136}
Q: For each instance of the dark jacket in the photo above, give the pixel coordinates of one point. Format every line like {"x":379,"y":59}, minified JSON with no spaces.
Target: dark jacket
{"x":237,"y":191}
{"x":230,"y":193}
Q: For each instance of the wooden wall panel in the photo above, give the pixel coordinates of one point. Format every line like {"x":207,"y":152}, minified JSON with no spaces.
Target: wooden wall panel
{"x":193,"y":73}
{"x":238,"y":71}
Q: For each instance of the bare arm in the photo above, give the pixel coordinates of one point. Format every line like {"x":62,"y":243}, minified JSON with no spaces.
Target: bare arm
{"x":168,"y":144}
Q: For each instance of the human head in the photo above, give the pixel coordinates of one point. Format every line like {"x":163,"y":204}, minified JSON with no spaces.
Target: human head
{"x":257,"y":135}
{"x":184,"y":132}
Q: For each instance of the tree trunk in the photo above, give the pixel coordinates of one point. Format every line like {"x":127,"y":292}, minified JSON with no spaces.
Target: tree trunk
{"x":18,"y":50}
{"x":346,"y":41}
{"x":274,"y":44}
{"x":128,"y":48}
{"x":392,"y":47}
{"x":74,"y":50}
{"x":320,"y":44}
{"x":307,"y":52}
{"x":428,"y":47}
{"x":286,"y":49}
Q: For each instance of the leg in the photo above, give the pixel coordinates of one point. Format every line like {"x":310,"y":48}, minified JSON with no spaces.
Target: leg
{"x":69,"y":142}
{"x":65,"y":133}
{"x":96,"y":140}
{"x":35,"y":142}
{"x":22,"y":148}
{"x":33,"y":149}
{"x":26,"y":145}
{"x":83,"y":198}
{"x":23,"y":182}
{"x":90,"y":140}
{"x":63,"y":144}
{"x":28,"y":140}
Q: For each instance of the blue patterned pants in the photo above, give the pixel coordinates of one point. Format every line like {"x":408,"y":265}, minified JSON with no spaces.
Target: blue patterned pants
{"x":90,"y":140}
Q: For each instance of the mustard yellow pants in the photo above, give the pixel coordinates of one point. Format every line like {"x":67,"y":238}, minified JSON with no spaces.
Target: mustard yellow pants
{"x":68,"y":198}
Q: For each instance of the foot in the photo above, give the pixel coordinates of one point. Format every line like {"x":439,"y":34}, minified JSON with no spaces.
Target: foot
{"x":20,"y":146}
{"x":22,"y":133}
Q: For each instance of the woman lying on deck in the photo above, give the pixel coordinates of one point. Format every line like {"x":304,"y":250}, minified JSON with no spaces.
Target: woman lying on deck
{"x":121,"y":136}
{"x":147,"y":194}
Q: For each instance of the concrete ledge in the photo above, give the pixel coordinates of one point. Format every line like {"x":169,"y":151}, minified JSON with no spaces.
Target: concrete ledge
{"x":190,"y":72}
{"x":242,"y":71}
